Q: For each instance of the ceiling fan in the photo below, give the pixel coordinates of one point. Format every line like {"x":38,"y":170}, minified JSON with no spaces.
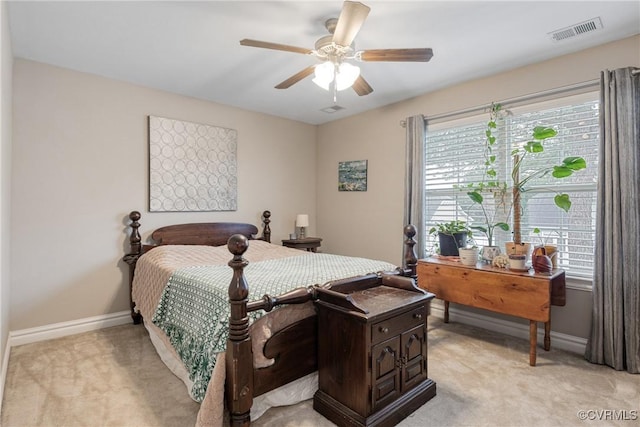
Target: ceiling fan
{"x":336,"y":49}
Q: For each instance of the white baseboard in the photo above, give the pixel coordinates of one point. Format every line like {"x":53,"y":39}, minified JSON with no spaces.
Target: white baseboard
{"x":558,"y":340}
{"x":63,"y":329}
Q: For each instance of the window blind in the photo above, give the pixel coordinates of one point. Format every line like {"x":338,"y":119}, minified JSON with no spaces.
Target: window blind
{"x":453,"y":154}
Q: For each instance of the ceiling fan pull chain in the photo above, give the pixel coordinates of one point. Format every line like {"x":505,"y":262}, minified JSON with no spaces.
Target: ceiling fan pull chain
{"x":335,"y":83}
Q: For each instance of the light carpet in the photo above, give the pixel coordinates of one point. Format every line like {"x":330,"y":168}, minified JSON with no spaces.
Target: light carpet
{"x":113,"y":377}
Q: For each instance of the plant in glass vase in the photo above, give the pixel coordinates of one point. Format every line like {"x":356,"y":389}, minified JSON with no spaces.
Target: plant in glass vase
{"x":490,"y":194}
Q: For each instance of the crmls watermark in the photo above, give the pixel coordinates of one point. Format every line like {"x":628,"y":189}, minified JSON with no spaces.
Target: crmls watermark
{"x":608,"y":414}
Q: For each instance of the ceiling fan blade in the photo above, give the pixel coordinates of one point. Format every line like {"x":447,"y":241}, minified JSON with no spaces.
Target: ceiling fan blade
{"x":349,"y":22}
{"x":361,"y":87}
{"x":400,"y":55}
{"x":296,"y":78}
{"x":275,"y":46}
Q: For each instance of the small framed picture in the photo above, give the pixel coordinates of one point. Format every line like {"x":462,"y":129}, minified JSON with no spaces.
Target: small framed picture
{"x":352,"y":175}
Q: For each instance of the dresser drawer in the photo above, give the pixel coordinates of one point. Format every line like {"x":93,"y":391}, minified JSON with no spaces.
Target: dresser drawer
{"x":387,"y":328}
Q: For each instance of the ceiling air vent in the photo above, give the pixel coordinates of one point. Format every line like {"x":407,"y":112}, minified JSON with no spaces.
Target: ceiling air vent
{"x":332,"y":109}
{"x":576,"y":30}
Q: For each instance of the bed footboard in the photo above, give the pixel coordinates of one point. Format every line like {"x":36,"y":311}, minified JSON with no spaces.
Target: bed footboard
{"x":293,"y":348}
{"x":242,"y":384}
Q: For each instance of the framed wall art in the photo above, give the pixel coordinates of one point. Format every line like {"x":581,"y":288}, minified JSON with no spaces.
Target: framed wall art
{"x":192,"y":167}
{"x":352,"y":175}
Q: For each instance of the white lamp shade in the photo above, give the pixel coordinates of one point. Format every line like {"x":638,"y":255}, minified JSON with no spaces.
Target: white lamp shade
{"x":347,"y":75}
{"x":302,"y":220}
{"x":324,"y":74}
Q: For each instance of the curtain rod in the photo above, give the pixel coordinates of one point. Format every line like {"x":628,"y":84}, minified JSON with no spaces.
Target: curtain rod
{"x":556,"y":91}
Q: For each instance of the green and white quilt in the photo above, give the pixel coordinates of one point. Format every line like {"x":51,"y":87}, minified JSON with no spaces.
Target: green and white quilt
{"x":194,"y":306}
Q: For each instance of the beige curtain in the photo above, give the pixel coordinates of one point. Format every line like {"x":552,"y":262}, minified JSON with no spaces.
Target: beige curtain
{"x":615,"y":326}
{"x":414,"y":180}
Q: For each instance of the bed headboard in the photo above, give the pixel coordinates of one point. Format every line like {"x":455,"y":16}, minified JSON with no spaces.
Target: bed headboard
{"x":206,"y":233}
{"x":210,"y":233}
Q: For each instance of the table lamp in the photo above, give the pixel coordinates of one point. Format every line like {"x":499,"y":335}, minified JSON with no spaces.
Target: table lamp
{"x":302,"y":221}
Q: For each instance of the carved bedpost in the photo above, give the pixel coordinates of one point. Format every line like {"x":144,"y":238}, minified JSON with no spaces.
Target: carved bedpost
{"x":266,"y":232}
{"x":239,"y":356}
{"x":131,"y":259}
{"x":410,"y":258}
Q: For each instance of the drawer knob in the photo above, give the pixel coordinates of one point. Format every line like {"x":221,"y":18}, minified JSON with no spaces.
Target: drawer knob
{"x":384,"y":330}
{"x":417,"y":316}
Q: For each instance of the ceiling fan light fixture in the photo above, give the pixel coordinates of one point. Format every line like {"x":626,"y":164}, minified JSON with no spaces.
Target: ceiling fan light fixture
{"x":333,"y":49}
{"x":344,"y":75}
{"x":324,"y":74}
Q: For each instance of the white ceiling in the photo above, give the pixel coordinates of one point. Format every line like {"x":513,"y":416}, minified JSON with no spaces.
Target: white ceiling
{"x":192,"y":48}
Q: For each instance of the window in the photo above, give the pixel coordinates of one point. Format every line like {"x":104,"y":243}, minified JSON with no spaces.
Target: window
{"x":453,"y":150}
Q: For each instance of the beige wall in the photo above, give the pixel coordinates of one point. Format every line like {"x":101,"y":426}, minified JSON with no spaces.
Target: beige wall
{"x":6,"y":65}
{"x":370,"y":223}
{"x":80,"y":165}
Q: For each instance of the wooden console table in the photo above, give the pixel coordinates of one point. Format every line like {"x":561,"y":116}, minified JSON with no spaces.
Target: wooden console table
{"x":522,"y":294}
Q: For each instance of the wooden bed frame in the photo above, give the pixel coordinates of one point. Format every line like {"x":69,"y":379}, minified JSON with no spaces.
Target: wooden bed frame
{"x":293,"y":348}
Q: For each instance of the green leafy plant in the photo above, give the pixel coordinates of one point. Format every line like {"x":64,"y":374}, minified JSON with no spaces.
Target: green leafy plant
{"x":451,"y":228}
{"x":490,"y":186}
{"x":501,"y":204}
{"x":542,"y":238}
{"x":533,"y":147}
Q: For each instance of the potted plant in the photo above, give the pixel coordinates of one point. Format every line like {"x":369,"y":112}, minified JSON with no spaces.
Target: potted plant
{"x":535,"y":147}
{"x":520,"y":179}
{"x":469,"y":255}
{"x":451,"y":236}
{"x":550,"y":249}
{"x":491,"y":194}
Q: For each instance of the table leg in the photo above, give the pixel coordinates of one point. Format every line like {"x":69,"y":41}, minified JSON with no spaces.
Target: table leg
{"x":446,"y":312}
{"x":533,"y":338}
{"x":547,"y":337}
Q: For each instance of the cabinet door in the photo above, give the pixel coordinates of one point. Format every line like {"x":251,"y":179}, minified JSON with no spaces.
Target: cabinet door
{"x":386,"y":360}
{"x":414,"y":356}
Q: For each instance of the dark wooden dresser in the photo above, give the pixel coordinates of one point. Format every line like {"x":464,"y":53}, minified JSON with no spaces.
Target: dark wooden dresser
{"x":372,"y":353}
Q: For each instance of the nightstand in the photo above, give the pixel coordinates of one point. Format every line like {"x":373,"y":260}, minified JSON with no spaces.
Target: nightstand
{"x":310,"y":244}
{"x":372,"y":352}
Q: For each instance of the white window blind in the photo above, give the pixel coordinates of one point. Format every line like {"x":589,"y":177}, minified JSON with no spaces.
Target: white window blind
{"x":453,"y":157}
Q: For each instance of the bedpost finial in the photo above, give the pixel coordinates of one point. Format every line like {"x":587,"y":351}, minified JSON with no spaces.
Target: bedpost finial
{"x":410,"y":258}
{"x":237,"y":244}
{"x":134,"y":237}
{"x":410,"y":230}
{"x":266,"y":231}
